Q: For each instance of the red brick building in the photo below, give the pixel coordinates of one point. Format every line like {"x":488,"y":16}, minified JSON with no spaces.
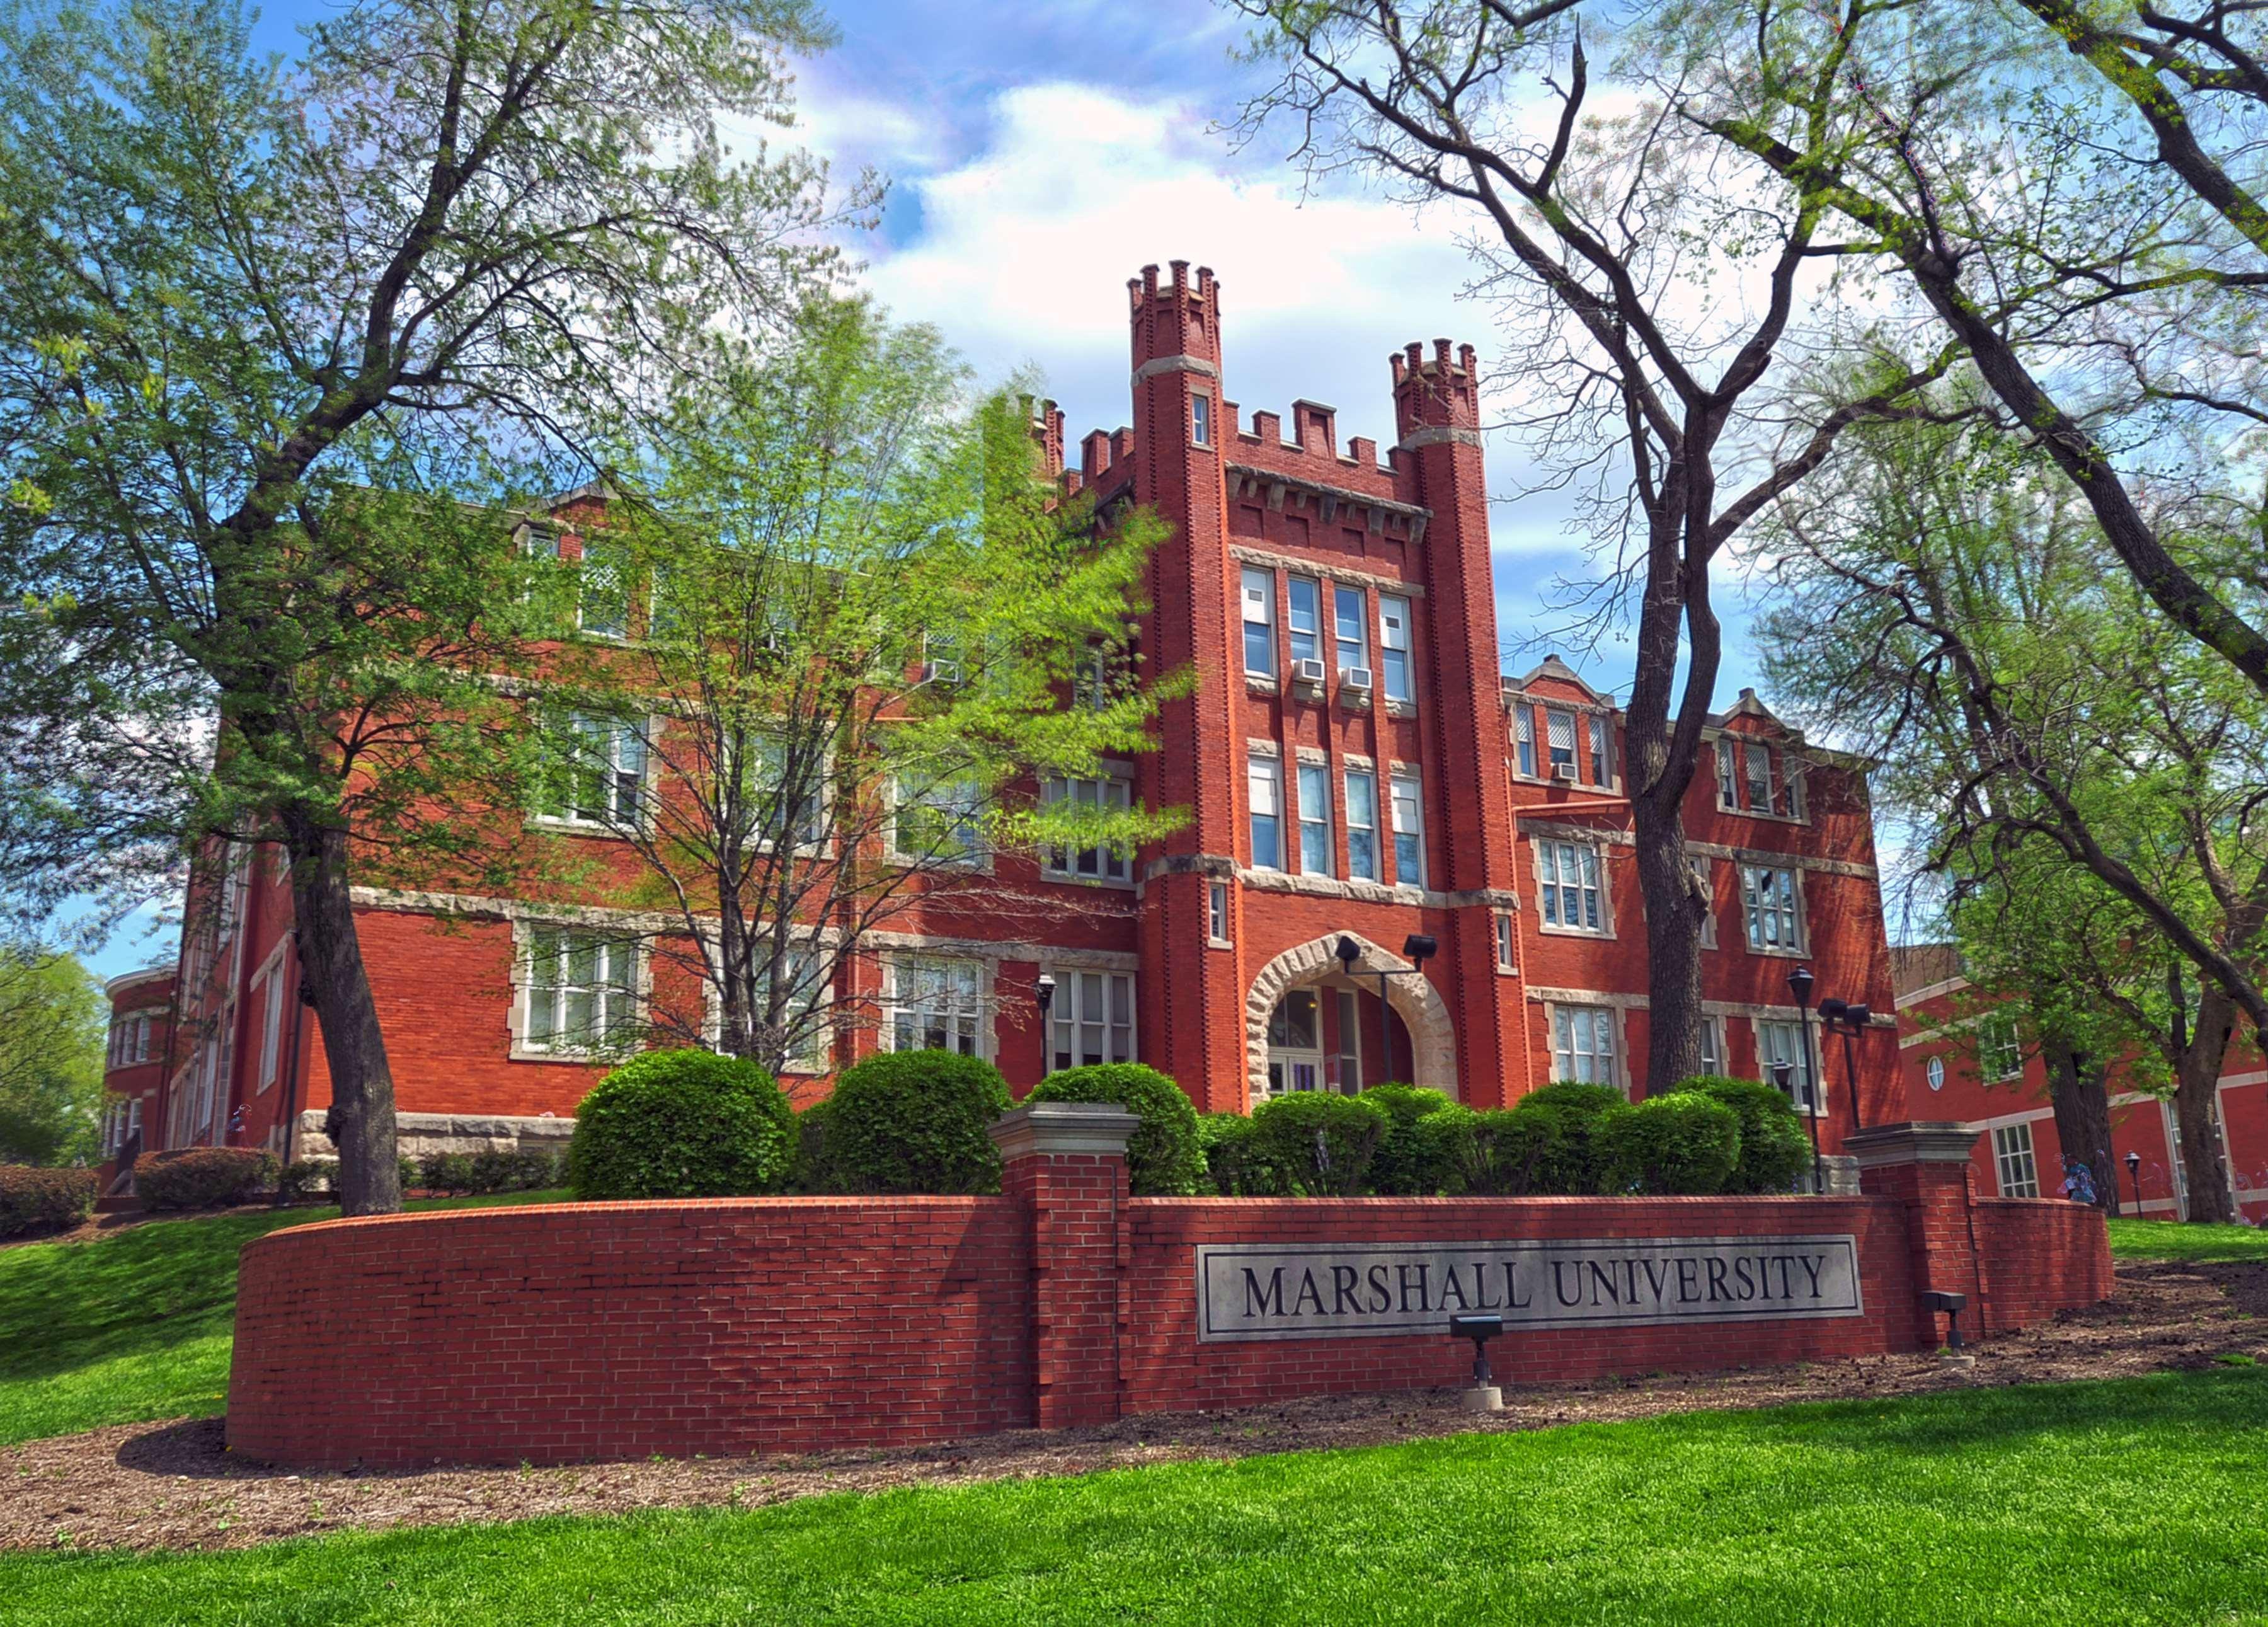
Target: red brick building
{"x":1355,"y":764}
{"x":133,"y":1071}
{"x":1964,"y":1062}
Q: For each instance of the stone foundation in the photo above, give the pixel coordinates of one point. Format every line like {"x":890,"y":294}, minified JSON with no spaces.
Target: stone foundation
{"x":421,"y":1134}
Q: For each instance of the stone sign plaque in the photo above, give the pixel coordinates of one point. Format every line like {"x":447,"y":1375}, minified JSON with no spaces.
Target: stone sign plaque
{"x":1325,"y":1290}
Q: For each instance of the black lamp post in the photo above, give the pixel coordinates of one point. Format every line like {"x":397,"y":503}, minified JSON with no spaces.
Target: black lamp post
{"x":1799,"y":984}
{"x":1419,"y":948}
{"x":1840,"y":1017}
{"x":2134,"y":1174}
{"x":1043,"y":990}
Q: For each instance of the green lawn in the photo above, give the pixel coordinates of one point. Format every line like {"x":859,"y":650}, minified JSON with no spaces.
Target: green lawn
{"x":2165,"y":1239}
{"x":2133,"y":1501}
{"x":134,"y":1325}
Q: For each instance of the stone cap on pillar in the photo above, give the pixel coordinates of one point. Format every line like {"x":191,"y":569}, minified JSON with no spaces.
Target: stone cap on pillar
{"x":1054,"y":1129}
{"x":1919,"y":1141}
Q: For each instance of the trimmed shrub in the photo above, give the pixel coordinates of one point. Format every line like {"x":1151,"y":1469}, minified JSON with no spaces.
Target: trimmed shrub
{"x":1570,"y":1164}
{"x":916,"y":1122}
{"x":1313,"y":1144}
{"x":1491,"y":1152}
{"x":515,"y":1169}
{"x":681,"y":1124}
{"x":1682,"y":1143}
{"x":1225,"y":1139}
{"x":203,"y":1178}
{"x":1405,"y":1164}
{"x":812,"y":1173}
{"x":1163,"y":1159}
{"x":406,"y":1171}
{"x":305,"y":1178}
{"x":449,"y":1174}
{"x":35,"y":1202}
{"x":1775,"y":1147}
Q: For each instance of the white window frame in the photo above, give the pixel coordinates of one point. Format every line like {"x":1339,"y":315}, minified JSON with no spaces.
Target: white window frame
{"x":1406,"y":796}
{"x":1999,"y":1048}
{"x":1705,"y":871}
{"x":1263,"y":783}
{"x":818,"y":1052}
{"x":1200,"y":418}
{"x":1728,"y":775}
{"x":1257,"y":597}
{"x":2016,"y":1163}
{"x":1219,"y":924}
{"x":533,"y":937}
{"x":1316,"y":817}
{"x":1068,"y":1017}
{"x":976,"y":1013}
{"x":1599,"y":730}
{"x":1523,"y":740}
{"x":585,"y":569}
{"x":1587,"y":886}
{"x":1394,"y":640}
{"x":620,"y":781}
{"x":1349,"y":652}
{"x":271,"y":1022}
{"x":1366,"y":827}
{"x":1313,"y":633}
{"x":1782,"y":1039}
{"x":1508,"y":944}
{"x":1577,"y":1031}
{"x":1113,"y":865}
{"x":1712,"y":1046}
{"x":978,"y":853}
{"x":1554,"y":717}
{"x":818,"y":827}
{"x":1758,"y":912}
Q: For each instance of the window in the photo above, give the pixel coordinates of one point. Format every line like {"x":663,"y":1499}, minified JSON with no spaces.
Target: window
{"x":1602,"y":762}
{"x":1306,"y":619}
{"x":1201,"y":418}
{"x":933,"y":1006}
{"x":806,"y":999}
{"x":1217,"y":911}
{"x":1315,"y":819}
{"x":1704,"y":873}
{"x":1769,"y":894}
{"x":1350,"y":1037}
{"x":1712,"y":1046}
{"x":271,"y":1026}
{"x":143,"y":1023}
{"x":1934,"y":1072}
{"x":235,"y":857}
{"x":582,"y":992}
{"x":1394,"y":645}
{"x":1260,"y":623}
{"x":603,"y":591}
{"x":1570,"y":889}
{"x":1728,"y":795}
{"x":775,"y":809}
{"x":2013,"y":1160}
{"x":1265,"y":782}
{"x":1507,"y":942}
{"x":1781,"y":1044}
{"x":1559,"y":729}
{"x":1350,"y":626}
{"x":1093,"y":1018}
{"x":1409,"y":831}
{"x":1583,"y":1043}
{"x":1523,"y":737}
{"x":1757,"y":760}
{"x":1791,"y":789}
{"x":1362,"y":825}
{"x":1998,"y":1048}
{"x":941,"y":823}
{"x":1105,"y":863}
{"x":598,"y":768}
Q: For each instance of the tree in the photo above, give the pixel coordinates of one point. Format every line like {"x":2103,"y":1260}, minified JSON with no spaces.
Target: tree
{"x":260,"y":325}
{"x":864,"y":635}
{"x":2086,"y":777}
{"x":1596,"y":229}
{"x":52,"y":1021}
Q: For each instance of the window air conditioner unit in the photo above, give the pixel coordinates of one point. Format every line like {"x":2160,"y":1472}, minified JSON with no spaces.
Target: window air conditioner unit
{"x":941,"y":672}
{"x":1356,"y":681}
{"x":1309,"y":674}
{"x":1564,"y":772}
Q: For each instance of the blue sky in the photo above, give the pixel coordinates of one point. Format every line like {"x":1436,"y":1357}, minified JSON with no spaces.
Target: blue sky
{"x":1038,"y":156}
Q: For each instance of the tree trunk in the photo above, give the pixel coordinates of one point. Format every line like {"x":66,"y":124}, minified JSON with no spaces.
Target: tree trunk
{"x":330,"y":959}
{"x":1672,"y":945}
{"x":2197,"y":1082}
{"x":2082,"y":1120}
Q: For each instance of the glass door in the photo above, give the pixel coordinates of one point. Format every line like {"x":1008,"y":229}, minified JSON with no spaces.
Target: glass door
{"x":1295,"y":1051}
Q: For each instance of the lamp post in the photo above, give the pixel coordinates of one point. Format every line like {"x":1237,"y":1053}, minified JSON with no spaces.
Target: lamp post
{"x":1044,"y":990}
{"x":1849,"y":1020}
{"x":2134,"y":1174}
{"x":1799,"y":984}
{"x":1418,"y":947}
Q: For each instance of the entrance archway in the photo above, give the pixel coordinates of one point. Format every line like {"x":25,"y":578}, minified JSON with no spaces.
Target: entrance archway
{"x":1432,"y":1040}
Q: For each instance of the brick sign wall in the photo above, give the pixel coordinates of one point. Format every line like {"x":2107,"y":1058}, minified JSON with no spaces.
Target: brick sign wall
{"x":578,"y":1331}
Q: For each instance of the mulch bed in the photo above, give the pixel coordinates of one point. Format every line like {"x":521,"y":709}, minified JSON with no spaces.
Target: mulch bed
{"x":175,"y":1486}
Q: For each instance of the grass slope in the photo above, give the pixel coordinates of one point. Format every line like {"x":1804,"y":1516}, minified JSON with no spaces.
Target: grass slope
{"x":134,"y":1325}
{"x":2164,"y":1239}
{"x":2133,"y":1501}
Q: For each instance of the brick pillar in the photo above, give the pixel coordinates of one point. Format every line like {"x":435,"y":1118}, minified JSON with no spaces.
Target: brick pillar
{"x":1064,"y":1163}
{"x":1925,"y":1164}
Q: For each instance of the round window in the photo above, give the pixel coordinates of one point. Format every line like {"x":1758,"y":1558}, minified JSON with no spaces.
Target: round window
{"x":1936,"y":1072}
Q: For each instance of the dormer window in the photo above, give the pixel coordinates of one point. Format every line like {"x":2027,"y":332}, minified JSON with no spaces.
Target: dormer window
{"x":1559,"y":733}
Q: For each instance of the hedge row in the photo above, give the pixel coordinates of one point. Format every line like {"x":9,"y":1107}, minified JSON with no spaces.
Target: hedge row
{"x":35,"y":1202}
{"x":203,"y":1177}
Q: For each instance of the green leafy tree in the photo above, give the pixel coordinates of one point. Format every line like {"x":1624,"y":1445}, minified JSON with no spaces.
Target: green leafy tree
{"x":52,"y":1022}
{"x":858,"y":639}
{"x":262,"y":325}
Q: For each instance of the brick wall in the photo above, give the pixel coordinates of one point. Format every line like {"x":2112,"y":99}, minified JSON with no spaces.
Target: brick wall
{"x":598,"y":1330}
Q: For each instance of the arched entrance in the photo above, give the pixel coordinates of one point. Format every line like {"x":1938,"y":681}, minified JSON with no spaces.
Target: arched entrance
{"x":1287,"y":1035}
